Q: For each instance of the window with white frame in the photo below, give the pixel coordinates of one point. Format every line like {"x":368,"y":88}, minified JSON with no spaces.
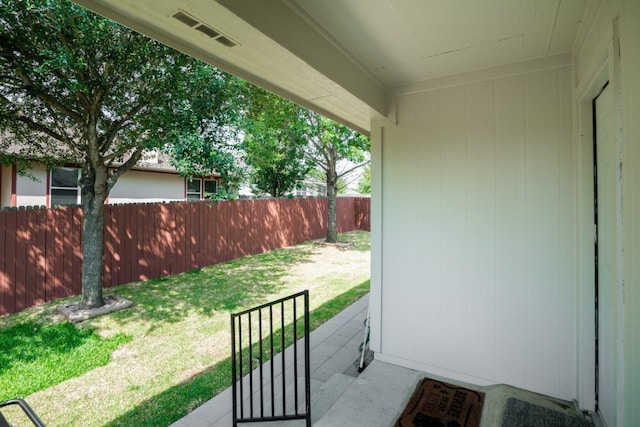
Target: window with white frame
{"x":210,"y":188}
{"x":64,"y":188}
{"x":194,"y":188}
{"x":200,"y":189}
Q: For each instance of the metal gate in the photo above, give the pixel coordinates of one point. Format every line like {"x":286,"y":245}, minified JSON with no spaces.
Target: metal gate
{"x":266,"y":383}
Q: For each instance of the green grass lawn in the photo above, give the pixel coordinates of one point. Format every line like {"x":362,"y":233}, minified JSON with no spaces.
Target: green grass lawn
{"x":35,"y":357}
{"x":153,"y":363}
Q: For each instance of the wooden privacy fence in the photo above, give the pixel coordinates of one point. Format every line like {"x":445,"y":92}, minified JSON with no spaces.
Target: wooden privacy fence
{"x":41,"y":249}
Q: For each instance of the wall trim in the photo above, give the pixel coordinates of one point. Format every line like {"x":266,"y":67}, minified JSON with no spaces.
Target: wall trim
{"x":375,"y":298}
{"x":433,"y":370}
{"x":606,"y":68}
{"x":14,"y":186}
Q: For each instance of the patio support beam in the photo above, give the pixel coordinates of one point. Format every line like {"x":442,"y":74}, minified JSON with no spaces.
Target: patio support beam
{"x":296,"y":32}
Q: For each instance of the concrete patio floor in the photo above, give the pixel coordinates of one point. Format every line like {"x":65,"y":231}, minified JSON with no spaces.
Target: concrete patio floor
{"x":374,"y":398}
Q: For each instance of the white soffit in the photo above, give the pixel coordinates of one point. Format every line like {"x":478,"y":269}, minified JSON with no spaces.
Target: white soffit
{"x":254,"y":57}
{"x":347,"y":58}
{"x":402,"y":42}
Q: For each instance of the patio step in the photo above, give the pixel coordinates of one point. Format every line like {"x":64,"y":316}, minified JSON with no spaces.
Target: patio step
{"x":323,"y":397}
{"x":374,"y":399}
{"x":329,"y":394}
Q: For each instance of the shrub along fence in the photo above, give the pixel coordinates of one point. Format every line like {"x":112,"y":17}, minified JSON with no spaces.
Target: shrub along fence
{"x":41,"y":249}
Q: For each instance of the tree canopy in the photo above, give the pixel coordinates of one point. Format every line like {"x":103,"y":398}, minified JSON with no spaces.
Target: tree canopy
{"x":364,"y":185}
{"x":79,"y":88}
{"x":285,"y":142}
{"x":274,"y":142}
{"x":329,"y":144}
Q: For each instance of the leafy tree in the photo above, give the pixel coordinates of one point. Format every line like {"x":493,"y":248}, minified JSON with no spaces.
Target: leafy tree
{"x":75,"y":87}
{"x":330,"y":143}
{"x":210,"y":150}
{"x":364,"y":185}
{"x":274,"y":142}
{"x":285,"y":142}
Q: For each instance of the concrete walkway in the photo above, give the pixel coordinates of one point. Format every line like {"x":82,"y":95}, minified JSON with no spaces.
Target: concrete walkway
{"x":334,"y":351}
{"x":374,"y":399}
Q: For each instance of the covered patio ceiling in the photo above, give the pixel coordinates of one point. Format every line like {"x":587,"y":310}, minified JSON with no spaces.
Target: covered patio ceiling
{"x":348,"y":59}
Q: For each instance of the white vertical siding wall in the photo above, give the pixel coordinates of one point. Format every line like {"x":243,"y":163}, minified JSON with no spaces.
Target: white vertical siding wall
{"x":630,"y":105}
{"x":478,"y":259}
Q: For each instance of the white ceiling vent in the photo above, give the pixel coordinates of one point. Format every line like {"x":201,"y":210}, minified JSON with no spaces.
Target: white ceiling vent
{"x":205,"y":29}
{"x":184,"y":18}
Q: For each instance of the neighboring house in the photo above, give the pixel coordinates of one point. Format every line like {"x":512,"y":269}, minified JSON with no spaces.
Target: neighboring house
{"x":152,"y":180}
{"x":486,"y":262}
{"x":305,"y":189}
{"x":311,"y":187}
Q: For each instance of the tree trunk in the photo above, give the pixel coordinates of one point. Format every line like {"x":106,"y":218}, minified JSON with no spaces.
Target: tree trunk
{"x":92,"y":238}
{"x":332,"y":223}
{"x":92,"y":251}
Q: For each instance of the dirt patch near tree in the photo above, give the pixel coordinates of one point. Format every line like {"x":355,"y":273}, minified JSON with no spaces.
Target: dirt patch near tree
{"x":338,"y":245}
{"x":75,"y":313}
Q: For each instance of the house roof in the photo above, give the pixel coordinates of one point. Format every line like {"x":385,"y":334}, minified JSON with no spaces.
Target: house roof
{"x":155,"y":160}
{"x":348,"y":59}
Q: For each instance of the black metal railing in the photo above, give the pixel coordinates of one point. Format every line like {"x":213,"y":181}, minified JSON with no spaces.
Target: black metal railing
{"x":259,"y":337}
{"x":25,"y":408}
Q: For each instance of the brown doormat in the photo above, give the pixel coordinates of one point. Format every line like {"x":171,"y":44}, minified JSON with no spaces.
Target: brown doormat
{"x":435,"y":403}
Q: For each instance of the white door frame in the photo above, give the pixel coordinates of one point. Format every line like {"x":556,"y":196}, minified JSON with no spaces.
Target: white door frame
{"x":607,"y":71}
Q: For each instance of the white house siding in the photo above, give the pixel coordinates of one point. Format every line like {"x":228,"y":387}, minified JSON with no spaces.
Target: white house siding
{"x":607,"y":50}
{"x":136,"y":186}
{"x":5,"y":185}
{"x":630,"y":105}
{"x":30,"y":191}
{"x":477,"y":276}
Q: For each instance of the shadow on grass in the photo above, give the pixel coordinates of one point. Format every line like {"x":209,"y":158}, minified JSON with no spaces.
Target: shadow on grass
{"x":361,"y":241}
{"x":176,"y":402}
{"x":229,"y":286}
{"x":225,"y":287}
